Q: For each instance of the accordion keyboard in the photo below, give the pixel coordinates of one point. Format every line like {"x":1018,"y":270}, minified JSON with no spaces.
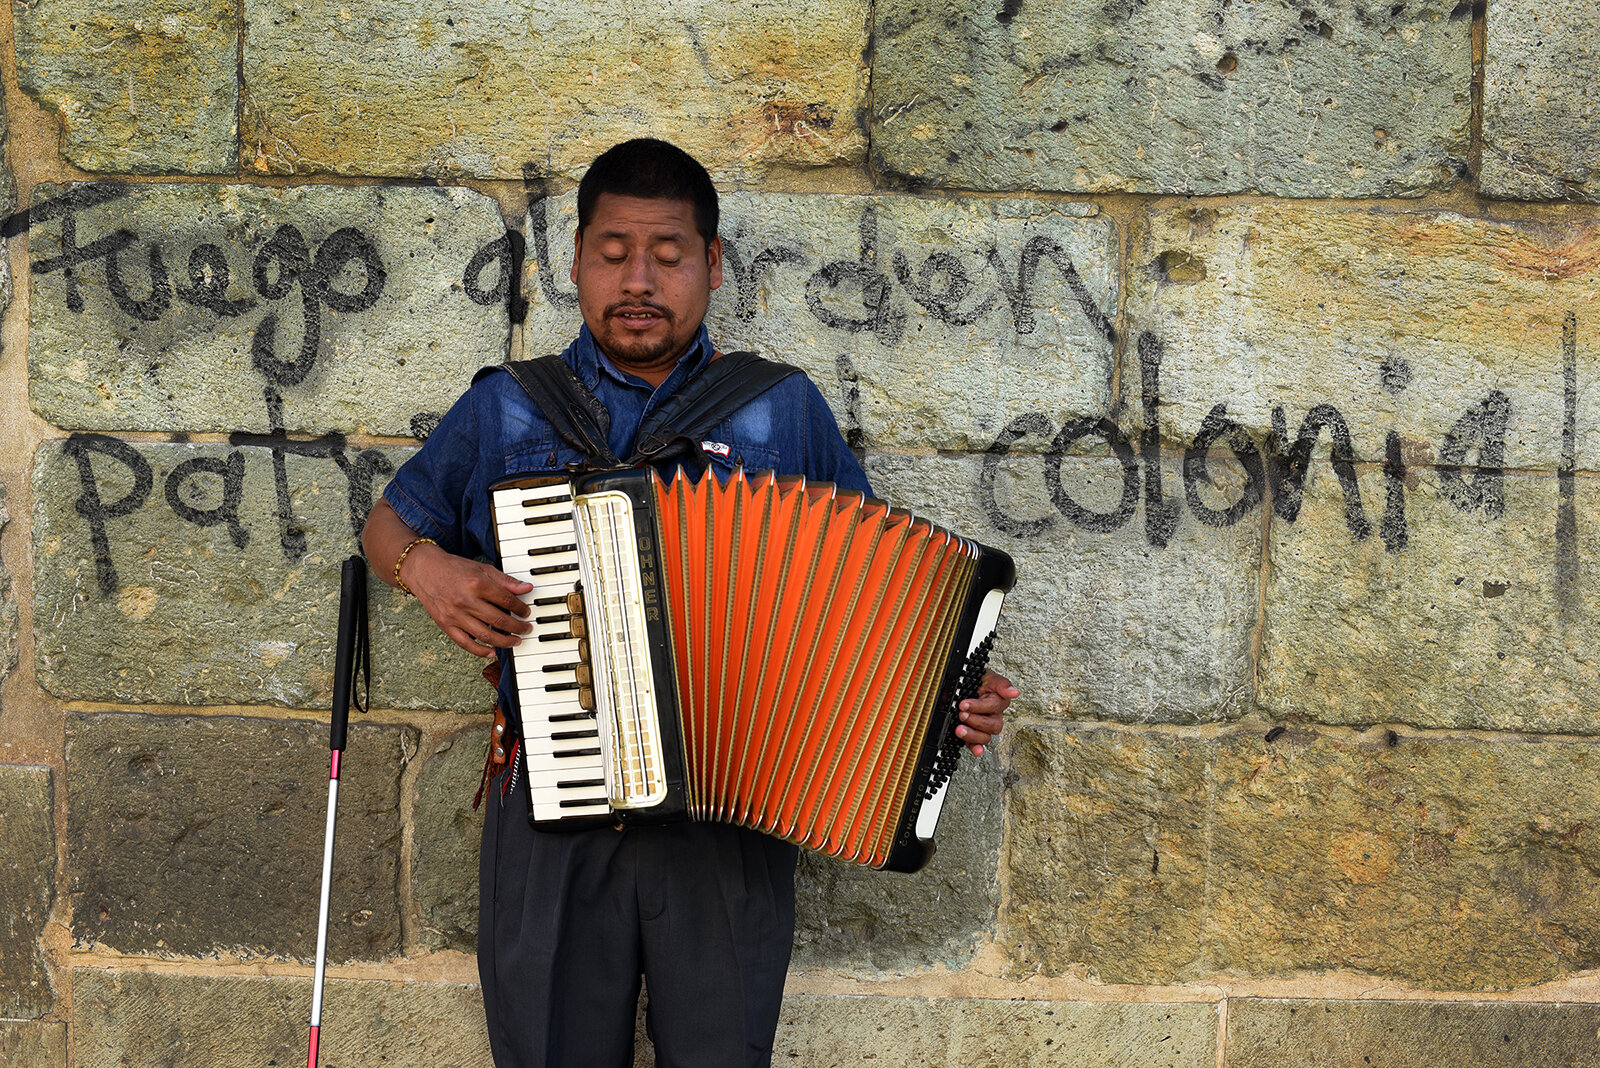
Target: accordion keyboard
{"x":560,"y":739}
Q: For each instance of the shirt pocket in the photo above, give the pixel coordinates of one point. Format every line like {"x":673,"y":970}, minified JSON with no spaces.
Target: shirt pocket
{"x":541,"y":456}
{"x":725,"y":456}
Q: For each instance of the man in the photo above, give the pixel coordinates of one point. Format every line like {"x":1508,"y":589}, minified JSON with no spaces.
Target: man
{"x":569,"y":921}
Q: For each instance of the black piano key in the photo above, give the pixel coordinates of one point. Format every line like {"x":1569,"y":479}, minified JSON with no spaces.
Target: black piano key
{"x":548,"y":549}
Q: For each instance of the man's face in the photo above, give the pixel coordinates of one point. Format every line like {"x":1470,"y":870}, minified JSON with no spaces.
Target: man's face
{"x":644,"y":278}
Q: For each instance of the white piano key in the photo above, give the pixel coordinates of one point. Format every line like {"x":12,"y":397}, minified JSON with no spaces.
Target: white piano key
{"x":538,"y":537}
{"x":541,"y":730}
{"x":550,"y":763}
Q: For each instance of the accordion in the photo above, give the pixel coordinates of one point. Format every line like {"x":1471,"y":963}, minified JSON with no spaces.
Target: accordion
{"x":766,"y":651}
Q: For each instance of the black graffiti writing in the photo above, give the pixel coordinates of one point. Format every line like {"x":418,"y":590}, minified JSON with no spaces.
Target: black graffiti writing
{"x":1274,"y":469}
{"x":116,"y":480}
{"x":870,"y":293}
{"x":183,"y":488}
{"x":1483,"y":427}
{"x":345,"y":274}
{"x":286,"y":260}
{"x":94,"y":508}
{"x":360,"y":470}
{"x":506,"y":253}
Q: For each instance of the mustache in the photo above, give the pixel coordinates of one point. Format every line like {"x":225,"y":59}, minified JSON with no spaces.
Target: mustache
{"x":639,"y":305}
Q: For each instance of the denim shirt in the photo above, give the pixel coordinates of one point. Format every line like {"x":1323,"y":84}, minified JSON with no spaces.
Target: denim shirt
{"x":496,"y":430}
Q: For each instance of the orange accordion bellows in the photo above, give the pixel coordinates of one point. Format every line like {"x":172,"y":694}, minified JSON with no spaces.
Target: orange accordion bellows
{"x":803,"y":649}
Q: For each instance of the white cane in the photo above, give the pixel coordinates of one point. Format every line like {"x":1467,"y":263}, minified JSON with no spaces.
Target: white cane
{"x":350,"y":654}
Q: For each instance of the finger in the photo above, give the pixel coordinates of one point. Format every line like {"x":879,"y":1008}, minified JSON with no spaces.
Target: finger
{"x":504,"y":621}
{"x":502,"y":595}
{"x":974,"y":735}
{"x":988,"y":725}
{"x":466,"y":641}
{"x":991,"y":704}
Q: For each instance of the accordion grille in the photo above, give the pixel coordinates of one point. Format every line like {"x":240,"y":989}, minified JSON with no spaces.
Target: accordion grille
{"x":810,"y":629}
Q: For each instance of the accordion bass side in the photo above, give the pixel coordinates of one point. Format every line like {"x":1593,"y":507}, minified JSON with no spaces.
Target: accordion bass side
{"x":769,"y":652}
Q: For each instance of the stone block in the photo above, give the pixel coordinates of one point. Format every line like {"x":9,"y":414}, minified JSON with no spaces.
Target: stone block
{"x":1473,"y":611}
{"x":1344,"y":100}
{"x":202,"y":307}
{"x":1411,"y":1034}
{"x":141,"y":88}
{"x":196,"y":1021}
{"x":928,"y":324}
{"x":1374,"y":321}
{"x":500,"y":90}
{"x":193,"y":836}
{"x":1540,"y":128}
{"x":896,"y":1032}
{"x":849,"y":917}
{"x":1451,"y":863}
{"x":209,"y":574}
{"x":1103,"y":622}
{"x":445,"y":837}
{"x":36,"y":1044}
{"x":27,"y":890}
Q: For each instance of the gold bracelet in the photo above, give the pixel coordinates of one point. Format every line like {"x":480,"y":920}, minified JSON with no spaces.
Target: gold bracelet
{"x":400,"y":582}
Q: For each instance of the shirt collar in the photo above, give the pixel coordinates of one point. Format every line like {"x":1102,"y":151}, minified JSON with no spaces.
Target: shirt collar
{"x":589,"y":362}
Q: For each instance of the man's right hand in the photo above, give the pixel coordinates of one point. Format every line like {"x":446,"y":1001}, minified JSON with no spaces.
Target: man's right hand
{"x":477,"y":606}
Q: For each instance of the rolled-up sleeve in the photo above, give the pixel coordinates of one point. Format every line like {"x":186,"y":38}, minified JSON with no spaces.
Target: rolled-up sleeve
{"x":430,"y":489}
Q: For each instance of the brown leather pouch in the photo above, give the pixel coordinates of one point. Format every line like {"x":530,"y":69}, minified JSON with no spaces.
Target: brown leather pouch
{"x":500,"y":749}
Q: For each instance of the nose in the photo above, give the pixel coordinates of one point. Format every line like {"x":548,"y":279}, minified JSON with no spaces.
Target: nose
{"x":638,"y":275}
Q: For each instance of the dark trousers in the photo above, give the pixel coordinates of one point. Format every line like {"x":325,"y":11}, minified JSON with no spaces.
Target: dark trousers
{"x":568,"y":922}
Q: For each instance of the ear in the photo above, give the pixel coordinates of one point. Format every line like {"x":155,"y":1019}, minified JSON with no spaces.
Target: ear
{"x":714,"y":261}
{"x":577,"y":252}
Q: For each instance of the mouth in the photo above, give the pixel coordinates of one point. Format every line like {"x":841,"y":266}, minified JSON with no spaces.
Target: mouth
{"x":638,"y":316}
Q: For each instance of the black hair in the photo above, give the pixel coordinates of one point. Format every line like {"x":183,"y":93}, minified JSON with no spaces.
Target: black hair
{"x":653,"y":170}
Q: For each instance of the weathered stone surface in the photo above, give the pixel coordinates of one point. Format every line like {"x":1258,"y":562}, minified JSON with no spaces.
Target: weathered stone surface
{"x":190,"y":1021}
{"x":902,"y":1032}
{"x":1396,"y":320}
{"x":1411,"y":1034}
{"x":37,"y":1044}
{"x":190,"y":836}
{"x":27,"y":889}
{"x":242,"y":308}
{"x":8,"y":203}
{"x":445,"y":839}
{"x":926,"y":323}
{"x":8,"y":605}
{"x":1156,"y":857}
{"x":850,"y":917}
{"x":1103,"y":622}
{"x":174,"y":573}
{"x":1540,"y":127}
{"x":1167,"y":97}
{"x":501,"y":89}
{"x":1480,"y":620}
{"x":146,"y":88}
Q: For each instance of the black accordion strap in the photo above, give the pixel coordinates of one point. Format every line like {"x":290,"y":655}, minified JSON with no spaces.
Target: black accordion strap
{"x":726,"y":384}
{"x":574,"y":412}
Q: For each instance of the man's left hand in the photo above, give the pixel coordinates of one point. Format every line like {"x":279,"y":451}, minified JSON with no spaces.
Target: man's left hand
{"x":983,"y":716}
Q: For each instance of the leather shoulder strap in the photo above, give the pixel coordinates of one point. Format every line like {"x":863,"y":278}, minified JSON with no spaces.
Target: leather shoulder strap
{"x":574,"y":412}
{"x":726,"y":384}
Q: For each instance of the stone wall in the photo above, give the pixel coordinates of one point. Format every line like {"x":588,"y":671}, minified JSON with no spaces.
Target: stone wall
{"x":1262,"y":335}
